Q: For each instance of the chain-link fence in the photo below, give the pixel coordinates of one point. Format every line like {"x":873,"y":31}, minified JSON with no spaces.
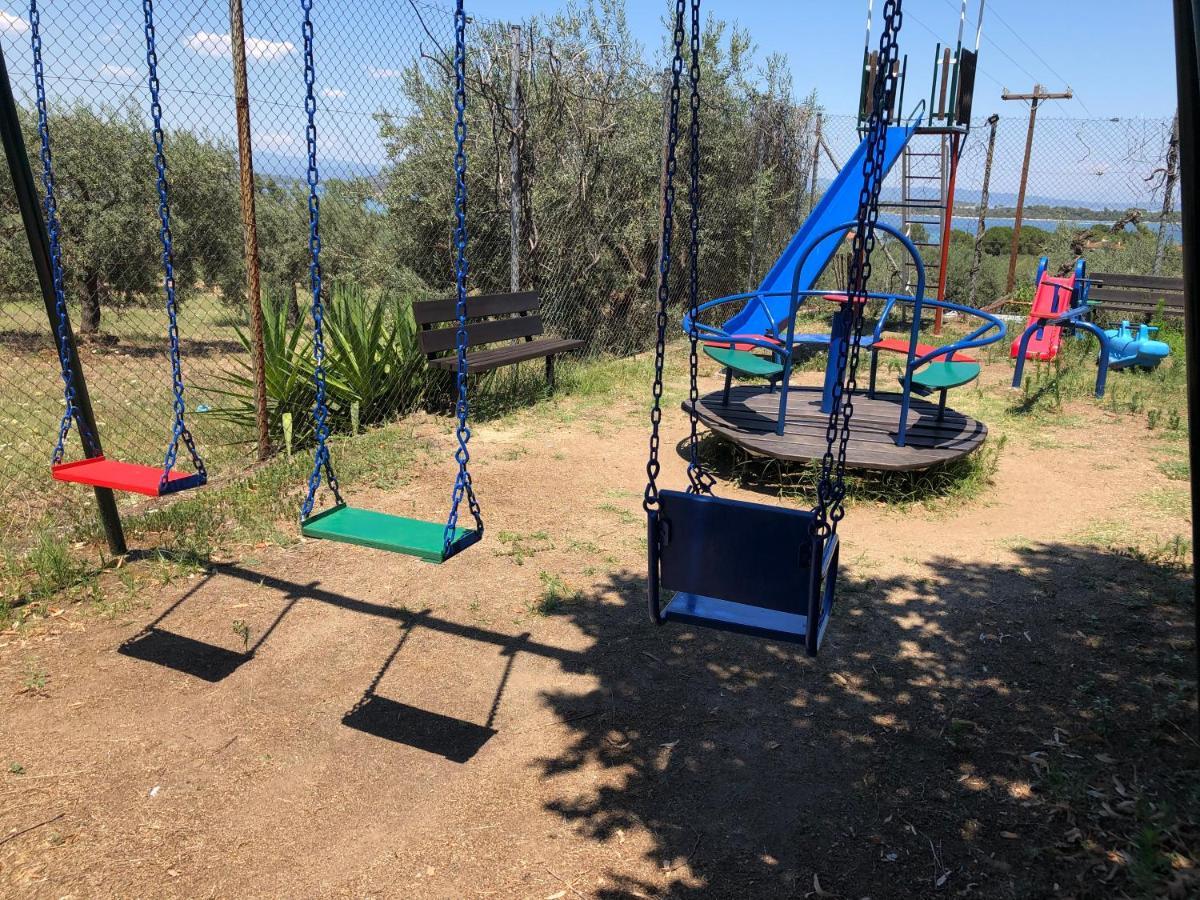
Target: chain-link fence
{"x":577,"y":157}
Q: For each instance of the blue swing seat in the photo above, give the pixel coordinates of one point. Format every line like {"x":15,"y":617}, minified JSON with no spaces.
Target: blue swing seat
{"x":743,"y":567}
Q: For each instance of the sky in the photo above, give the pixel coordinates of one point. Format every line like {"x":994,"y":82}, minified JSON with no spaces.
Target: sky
{"x":1117,"y":55}
{"x":1118,"y":59}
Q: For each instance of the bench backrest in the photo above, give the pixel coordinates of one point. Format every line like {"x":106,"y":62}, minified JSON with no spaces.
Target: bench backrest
{"x":491,"y":318}
{"x":1137,"y":293}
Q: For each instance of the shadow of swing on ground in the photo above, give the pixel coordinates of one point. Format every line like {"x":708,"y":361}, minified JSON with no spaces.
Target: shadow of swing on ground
{"x":457,"y":740}
{"x":208,"y":662}
{"x":951,"y":708}
{"x":454,"y":739}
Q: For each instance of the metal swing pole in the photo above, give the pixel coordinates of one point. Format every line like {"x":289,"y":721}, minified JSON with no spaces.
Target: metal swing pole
{"x":1187,"y":73}
{"x":25,"y":189}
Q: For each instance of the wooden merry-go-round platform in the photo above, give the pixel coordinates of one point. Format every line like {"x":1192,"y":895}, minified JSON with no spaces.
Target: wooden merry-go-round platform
{"x":750,"y":417}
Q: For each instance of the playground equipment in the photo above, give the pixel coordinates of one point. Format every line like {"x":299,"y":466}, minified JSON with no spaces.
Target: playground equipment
{"x":749,"y":567}
{"x":1060,"y":308}
{"x":96,"y":469}
{"x":927,"y":369}
{"x":1052,"y":298}
{"x":430,"y":541}
{"x":1128,"y":348}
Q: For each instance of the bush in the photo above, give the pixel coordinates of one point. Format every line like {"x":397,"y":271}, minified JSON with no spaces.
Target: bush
{"x":372,"y":362}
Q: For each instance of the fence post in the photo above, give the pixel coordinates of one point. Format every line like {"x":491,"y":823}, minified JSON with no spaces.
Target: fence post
{"x":514,"y":159}
{"x":237,"y":40}
{"x":1170,"y":179}
{"x":25,"y":189}
{"x":981,"y":225}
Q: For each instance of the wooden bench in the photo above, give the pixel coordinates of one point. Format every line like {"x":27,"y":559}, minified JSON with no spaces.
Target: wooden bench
{"x":1138,"y":294}
{"x":492,"y":319}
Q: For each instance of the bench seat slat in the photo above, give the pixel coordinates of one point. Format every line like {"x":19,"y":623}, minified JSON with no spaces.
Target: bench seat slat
{"x":1138,"y":282}
{"x":486,"y":360}
{"x":489,"y":332}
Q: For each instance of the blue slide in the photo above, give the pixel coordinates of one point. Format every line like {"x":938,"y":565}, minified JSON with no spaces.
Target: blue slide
{"x":839,"y":204}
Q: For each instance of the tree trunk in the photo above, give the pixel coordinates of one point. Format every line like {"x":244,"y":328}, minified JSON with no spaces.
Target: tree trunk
{"x":89,"y":317}
{"x":293,"y":312}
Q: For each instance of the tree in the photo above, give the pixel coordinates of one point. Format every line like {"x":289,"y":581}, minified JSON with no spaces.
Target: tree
{"x":108,"y":206}
{"x":591,"y":152}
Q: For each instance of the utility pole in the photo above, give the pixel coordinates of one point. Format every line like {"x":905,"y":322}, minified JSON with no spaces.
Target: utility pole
{"x":1035,"y":97}
{"x":241,"y":93}
{"x":514,"y":159}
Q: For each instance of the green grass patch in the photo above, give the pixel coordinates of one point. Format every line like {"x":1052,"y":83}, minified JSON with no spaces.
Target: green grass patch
{"x":554,"y":596}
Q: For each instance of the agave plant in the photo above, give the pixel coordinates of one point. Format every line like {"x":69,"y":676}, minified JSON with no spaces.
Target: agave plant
{"x":372,"y":357}
{"x":287,"y":353}
{"x":372,"y":363}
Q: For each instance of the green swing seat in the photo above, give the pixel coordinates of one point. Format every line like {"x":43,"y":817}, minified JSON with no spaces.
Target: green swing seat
{"x":365,"y":527}
{"x":396,"y":534}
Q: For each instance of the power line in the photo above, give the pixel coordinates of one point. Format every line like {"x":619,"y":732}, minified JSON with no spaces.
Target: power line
{"x":908,"y":14}
{"x":994,"y":13}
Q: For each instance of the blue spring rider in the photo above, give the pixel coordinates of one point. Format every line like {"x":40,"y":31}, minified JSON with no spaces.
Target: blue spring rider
{"x":1128,"y":349}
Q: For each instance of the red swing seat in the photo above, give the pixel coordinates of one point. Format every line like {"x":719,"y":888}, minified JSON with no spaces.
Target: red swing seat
{"x":121,"y":476}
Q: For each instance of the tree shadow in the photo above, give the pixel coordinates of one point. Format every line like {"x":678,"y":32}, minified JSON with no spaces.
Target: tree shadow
{"x":955,"y":729}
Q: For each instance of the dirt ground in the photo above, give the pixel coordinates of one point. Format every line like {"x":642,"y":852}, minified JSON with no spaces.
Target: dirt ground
{"x":1001,"y":701}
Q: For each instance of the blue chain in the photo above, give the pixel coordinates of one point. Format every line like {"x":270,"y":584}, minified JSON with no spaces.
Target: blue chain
{"x":831,"y":486}
{"x":322,"y":461}
{"x":50,"y":205}
{"x":462,"y":483}
{"x":180,"y":429}
{"x":653,"y":466}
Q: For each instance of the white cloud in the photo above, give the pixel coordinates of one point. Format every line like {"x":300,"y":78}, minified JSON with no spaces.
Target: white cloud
{"x":279,"y":141}
{"x":333,"y":93}
{"x":15,"y":24}
{"x":112,"y":70}
{"x":209,"y":43}
{"x":376,"y":72}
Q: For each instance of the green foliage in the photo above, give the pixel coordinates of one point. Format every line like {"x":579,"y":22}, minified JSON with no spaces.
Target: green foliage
{"x":372,"y":363}
{"x":555,"y":595}
{"x":104,"y":163}
{"x":591,"y":158}
{"x":373,"y":358}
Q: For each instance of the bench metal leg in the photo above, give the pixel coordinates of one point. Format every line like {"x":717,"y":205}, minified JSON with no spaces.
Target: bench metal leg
{"x":728,"y":387}
{"x":942,"y":405}
{"x":550,"y":371}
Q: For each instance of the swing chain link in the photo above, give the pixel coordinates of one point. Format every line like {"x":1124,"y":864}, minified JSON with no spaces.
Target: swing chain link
{"x":180,"y":429}
{"x":700,"y":481}
{"x":54,"y":230}
{"x":462,"y":483}
{"x":831,"y":488}
{"x":653,"y":466}
{"x":322,"y":461}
